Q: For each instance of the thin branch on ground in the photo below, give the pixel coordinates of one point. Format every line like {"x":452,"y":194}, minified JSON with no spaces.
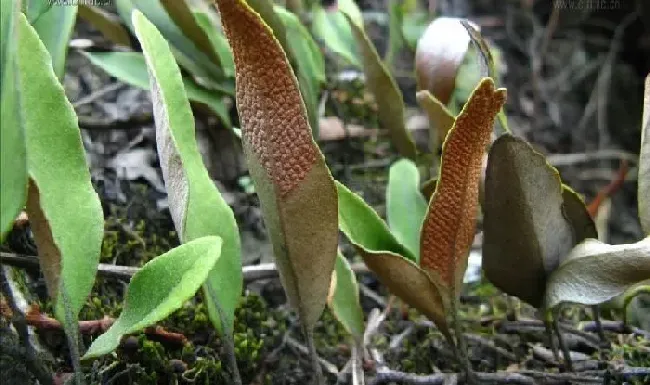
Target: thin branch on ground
{"x":330,"y":367}
{"x":614,"y":327}
{"x":526,"y":377}
{"x":560,"y":160}
{"x":98,"y":94}
{"x":251,"y":273}
{"x":31,"y":358}
{"x":41,"y":321}
{"x":485,"y":343}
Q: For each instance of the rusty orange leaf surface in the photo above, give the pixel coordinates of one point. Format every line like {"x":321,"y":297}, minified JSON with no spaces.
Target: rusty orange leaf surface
{"x":448,"y":228}
{"x":266,"y":99}
{"x":296,"y":190}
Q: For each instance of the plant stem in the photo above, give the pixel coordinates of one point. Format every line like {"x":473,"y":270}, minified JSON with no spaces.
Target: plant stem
{"x":226,"y":327}
{"x":599,"y":325}
{"x":71,"y":328}
{"x":461,"y":348}
{"x":229,"y":349}
{"x":565,"y":350}
{"x":357,"y":360}
{"x":549,"y":333}
{"x":315,"y":365}
{"x":513,"y":308}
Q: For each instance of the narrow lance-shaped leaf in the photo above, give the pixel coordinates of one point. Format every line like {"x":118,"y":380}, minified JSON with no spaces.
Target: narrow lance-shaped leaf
{"x":393,"y":263}
{"x":33,"y":9}
{"x":343,"y":298}
{"x":9,"y":9}
{"x":196,"y":206}
{"x":395,"y":38}
{"x":13,"y":155}
{"x":440,"y":119}
{"x":62,"y":205}
{"x":185,"y":51}
{"x":218,"y":41}
{"x":181,"y":13}
{"x":363,"y":226}
{"x":525,"y":232}
{"x":596,"y":272}
{"x":405,"y":204}
{"x":64,"y":211}
{"x":161,"y":286}
{"x":285,"y":164}
{"x":107,"y":23}
{"x":448,"y":229}
{"x":390,"y":104}
{"x":131,"y":68}
{"x":644,"y":162}
{"x":55,"y":27}
{"x":331,"y":28}
{"x":309,"y":63}
{"x":486,"y":63}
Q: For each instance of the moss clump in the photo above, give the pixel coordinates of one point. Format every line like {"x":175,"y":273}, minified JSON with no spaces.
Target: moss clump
{"x":140,"y":360}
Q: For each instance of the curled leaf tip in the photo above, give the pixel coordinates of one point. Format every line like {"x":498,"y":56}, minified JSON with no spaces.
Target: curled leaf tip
{"x":270,"y":106}
{"x":448,"y":229}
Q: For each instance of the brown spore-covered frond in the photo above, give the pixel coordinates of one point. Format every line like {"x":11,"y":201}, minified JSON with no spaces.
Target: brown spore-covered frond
{"x":448,"y":229}
{"x":273,"y":116}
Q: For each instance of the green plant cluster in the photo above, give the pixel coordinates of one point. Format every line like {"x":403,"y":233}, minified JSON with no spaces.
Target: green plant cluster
{"x":532,"y":221}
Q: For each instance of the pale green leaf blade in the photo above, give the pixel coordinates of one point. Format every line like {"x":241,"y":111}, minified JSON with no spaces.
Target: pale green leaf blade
{"x":107,"y":23}
{"x":161,"y":286}
{"x":218,"y":41}
{"x":62,"y":206}
{"x":363,"y":226}
{"x":181,"y":13}
{"x":130,"y":67}
{"x":406,"y":207}
{"x":343,"y":298}
{"x":335,"y":33}
{"x":55,"y":27}
{"x":414,"y":25}
{"x":390,"y":104}
{"x":33,"y":9}
{"x":185,"y":51}
{"x":441,"y":119}
{"x":9,"y":9}
{"x":644,"y":162}
{"x":596,"y":272}
{"x":13,"y":156}
{"x":395,"y":38}
{"x":525,"y":233}
{"x":393,"y":263}
{"x":197,"y":207}
{"x":285,"y":163}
